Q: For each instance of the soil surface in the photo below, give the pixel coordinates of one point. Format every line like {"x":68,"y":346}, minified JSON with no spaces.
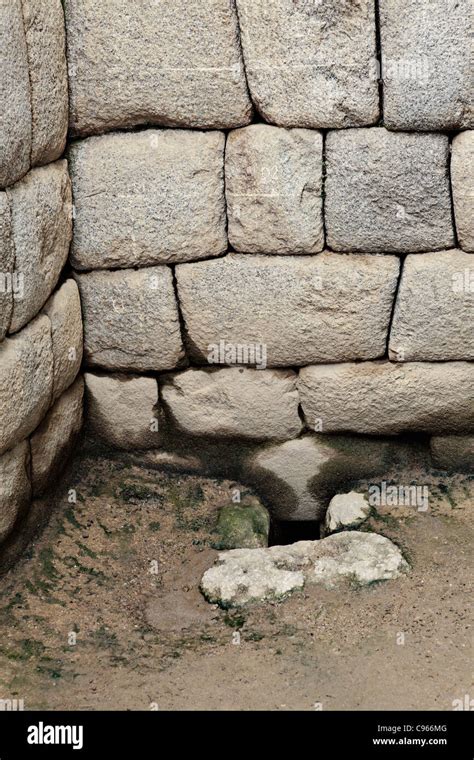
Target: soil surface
{"x":104,"y":610}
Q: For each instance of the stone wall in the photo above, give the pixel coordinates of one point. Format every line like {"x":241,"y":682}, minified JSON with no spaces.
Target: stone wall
{"x":40,"y":312}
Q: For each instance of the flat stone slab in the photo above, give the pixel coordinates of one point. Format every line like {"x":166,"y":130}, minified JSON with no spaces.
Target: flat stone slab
{"x":174,"y":64}
{"x":250,"y":575}
{"x":302,"y":309}
{"x":385,"y":398}
{"x":433,"y":314}
{"x":387,"y":191}
{"x":310,"y":63}
{"x":151,"y":197}
{"x":426,"y":64}
{"x":274,"y":190}
{"x":462,"y":180}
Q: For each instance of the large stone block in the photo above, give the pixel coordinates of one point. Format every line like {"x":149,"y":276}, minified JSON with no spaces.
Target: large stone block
{"x":387,"y":191}
{"x":453,"y":452}
{"x":386,"y":398}
{"x":46,"y":46}
{"x":311,"y":64}
{"x":462,"y":179}
{"x":7,"y":264}
{"x":426,"y":63}
{"x":53,"y":441}
{"x":131,"y":319}
{"x":274,"y":190}
{"x":148,"y":198}
{"x":235,"y":402}
{"x":41,"y":207}
{"x":26,"y":381}
{"x":433,"y":313}
{"x":64,"y":312}
{"x":15,"y":486}
{"x":122,"y":410}
{"x":173,"y":64}
{"x":15,"y":108}
{"x":300,"y":309}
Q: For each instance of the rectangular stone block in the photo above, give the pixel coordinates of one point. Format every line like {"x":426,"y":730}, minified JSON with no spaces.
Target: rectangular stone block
{"x":311,"y":63}
{"x":387,"y":191}
{"x":234,"y":402}
{"x":148,"y":197}
{"x":426,"y":63}
{"x":274,"y":190}
{"x":462,"y":180}
{"x":64,"y":312}
{"x":130,"y":320}
{"x":329,"y":307}
{"x":15,"y":486}
{"x":387,"y":399}
{"x":26,"y":381}
{"x":169,"y":63}
{"x":41,"y":210}
{"x":433,"y":317}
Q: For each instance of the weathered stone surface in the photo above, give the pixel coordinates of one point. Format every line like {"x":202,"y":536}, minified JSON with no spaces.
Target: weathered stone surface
{"x":174,"y":64}
{"x":147,"y":198}
{"x":46,"y":46}
{"x":433,"y":313}
{"x":245,"y":575}
{"x":453,"y":452}
{"x":64,"y":312}
{"x":42,"y":230}
{"x":26,"y":381}
{"x":235,"y":402}
{"x":274,"y":190}
{"x":243,"y":526}
{"x":302,"y":309}
{"x":298,"y":478}
{"x":7,"y":263}
{"x":311,"y":64}
{"x":386,"y":398}
{"x":426,"y":63}
{"x":130,"y":319}
{"x":462,"y":180}
{"x":15,"y":487}
{"x":123,"y":410}
{"x":387,"y":191}
{"x":346,"y":510}
{"x":53,"y":441}
{"x":15,"y":126}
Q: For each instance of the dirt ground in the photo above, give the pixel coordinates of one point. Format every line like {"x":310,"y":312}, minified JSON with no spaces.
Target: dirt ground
{"x":104,"y":611}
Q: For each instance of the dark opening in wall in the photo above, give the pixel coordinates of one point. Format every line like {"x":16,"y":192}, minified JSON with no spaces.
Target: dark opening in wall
{"x":284,"y":532}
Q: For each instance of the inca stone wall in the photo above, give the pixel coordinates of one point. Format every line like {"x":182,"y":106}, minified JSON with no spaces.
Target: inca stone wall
{"x":40,"y":313}
{"x":273,"y":231}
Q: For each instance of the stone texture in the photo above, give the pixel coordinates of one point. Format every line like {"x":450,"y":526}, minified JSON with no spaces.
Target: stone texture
{"x":433,"y":313}
{"x":15,"y":487}
{"x":387,"y":191}
{"x":249,"y":575}
{"x":64,"y":312}
{"x":274,"y":190}
{"x":15,"y":126}
{"x":453,"y":452}
{"x":243,"y":526}
{"x":346,"y":510}
{"x":303,"y":309}
{"x":386,"y":398}
{"x":26,"y":381}
{"x":46,"y":46}
{"x":148,"y":197}
{"x":122,"y":410}
{"x":462,"y":180}
{"x":298,"y":478}
{"x":235,"y":402}
{"x":173,"y":64}
{"x":7,"y":264}
{"x":426,"y":63}
{"x":130,"y":320}
{"x":311,"y":64}
{"x":53,"y":441}
{"x":42,"y":230}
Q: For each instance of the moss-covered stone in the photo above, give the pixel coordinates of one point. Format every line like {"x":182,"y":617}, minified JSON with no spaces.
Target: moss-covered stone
{"x":243,"y":526}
